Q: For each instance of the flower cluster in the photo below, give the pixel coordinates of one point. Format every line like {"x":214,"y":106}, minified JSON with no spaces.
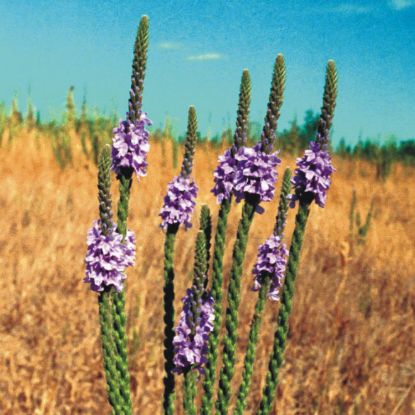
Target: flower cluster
{"x":107,"y":257}
{"x":255,"y":174}
{"x":313,"y":174}
{"x":191,"y":340}
{"x":271,"y":259}
{"x":130,"y":146}
{"x":224,"y":176}
{"x":179,"y":202}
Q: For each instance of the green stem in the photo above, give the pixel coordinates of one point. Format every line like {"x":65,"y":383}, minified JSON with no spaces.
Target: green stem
{"x":189,"y":393}
{"x":169,"y":383}
{"x":118,"y":298}
{"x":108,"y":347}
{"x":240,"y":138}
{"x":231,"y":321}
{"x":120,"y":340}
{"x":113,"y":365}
{"x":251,"y":349}
{"x":262,"y":295}
{"x":280,"y":337}
{"x":216,"y":291}
{"x":206,"y":227}
{"x":125,"y":179}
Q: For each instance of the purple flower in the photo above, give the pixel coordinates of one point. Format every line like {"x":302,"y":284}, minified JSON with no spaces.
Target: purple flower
{"x":130,"y":146}
{"x":191,"y":340}
{"x":271,"y":259}
{"x":179,"y":202}
{"x":312,"y":175}
{"x":224,"y":176}
{"x":107,"y":257}
{"x":256,"y":173}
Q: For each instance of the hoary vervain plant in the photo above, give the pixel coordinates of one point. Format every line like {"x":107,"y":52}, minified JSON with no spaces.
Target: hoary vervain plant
{"x":129,"y":151}
{"x":254,"y":182}
{"x":311,"y":181}
{"x":107,"y":257}
{"x":104,"y":229}
{"x":243,"y":173}
{"x":112,"y":248}
{"x":224,"y":176}
{"x":177,"y":210}
{"x":196,"y":322}
{"x":269,"y":273}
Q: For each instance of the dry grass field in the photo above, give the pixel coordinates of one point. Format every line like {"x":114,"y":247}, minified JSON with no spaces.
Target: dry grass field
{"x":352,"y":343}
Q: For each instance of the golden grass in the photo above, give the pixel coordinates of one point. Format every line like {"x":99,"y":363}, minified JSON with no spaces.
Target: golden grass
{"x":352,"y":343}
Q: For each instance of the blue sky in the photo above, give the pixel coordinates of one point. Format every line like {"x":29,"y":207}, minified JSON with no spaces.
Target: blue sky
{"x":198,"y":50}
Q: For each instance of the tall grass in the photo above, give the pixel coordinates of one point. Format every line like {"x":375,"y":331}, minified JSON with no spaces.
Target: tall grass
{"x":352,"y":343}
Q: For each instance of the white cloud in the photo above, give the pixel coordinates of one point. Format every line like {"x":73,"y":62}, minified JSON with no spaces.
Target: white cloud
{"x":401,"y":4}
{"x":348,"y":8}
{"x":205,"y":57}
{"x":169,"y":45}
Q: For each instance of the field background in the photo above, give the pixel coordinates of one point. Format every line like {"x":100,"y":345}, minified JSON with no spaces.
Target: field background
{"x":352,"y":343}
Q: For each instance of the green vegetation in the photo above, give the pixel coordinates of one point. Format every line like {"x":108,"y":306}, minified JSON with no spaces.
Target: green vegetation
{"x":95,"y":129}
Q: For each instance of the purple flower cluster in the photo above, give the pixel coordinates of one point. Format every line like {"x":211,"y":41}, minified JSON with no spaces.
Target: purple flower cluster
{"x":179,"y":202}
{"x":191,"y":340}
{"x":313,"y":174}
{"x":271,"y":259}
{"x":224,"y":176}
{"x":107,"y":257}
{"x":256,"y":173}
{"x":130,"y":146}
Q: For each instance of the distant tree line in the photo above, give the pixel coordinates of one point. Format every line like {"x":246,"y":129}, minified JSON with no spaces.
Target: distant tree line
{"x":295,"y":139}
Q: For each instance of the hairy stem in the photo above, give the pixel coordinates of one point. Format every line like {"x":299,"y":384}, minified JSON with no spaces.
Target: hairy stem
{"x":190,"y":393}
{"x":216,"y":291}
{"x":108,"y":348}
{"x":118,"y":298}
{"x":169,"y":382}
{"x":280,"y":337}
{"x":256,"y":319}
{"x":112,"y":363}
{"x":231,"y":321}
{"x":240,"y":138}
{"x":251,"y":349}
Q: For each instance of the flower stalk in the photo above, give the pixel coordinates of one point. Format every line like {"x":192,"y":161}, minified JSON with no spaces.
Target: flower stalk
{"x":195,"y":325}
{"x":106,"y":259}
{"x":124,"y":174}
{"x":104,"y":298}
{"x":231,"y":319}
{"x":224,"y":194}
{"x":177,"y":209}
{"x":253,"y":184}
{"x":168,"y":301}
{"x":280,"y":337}
{"x":265,"y":285}
{"x":200,"y":269}
{"x":306,"y":192}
